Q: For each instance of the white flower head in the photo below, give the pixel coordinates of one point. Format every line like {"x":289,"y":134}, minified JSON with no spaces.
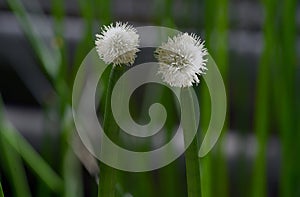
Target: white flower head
{"x":117,"y":44}
{"x":181,"y":60}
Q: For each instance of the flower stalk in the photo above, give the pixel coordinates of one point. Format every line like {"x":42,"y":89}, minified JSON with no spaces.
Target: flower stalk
{"x":181,"y":60}
{"x":191,"y":153}
{"x":108,"y":175}
{"x":117,"y":45}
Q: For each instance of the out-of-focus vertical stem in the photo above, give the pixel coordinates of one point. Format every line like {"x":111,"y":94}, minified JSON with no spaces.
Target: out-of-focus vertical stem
{"x":220,"y":54}
{"x":48,"y":56}
{"x":285,"y":88}
{"x":58,"y":15}
{"x":103,"y":11}
{"x":15,"y":170}
{"x":165,"y":13}
{"x":1,"y":191}
{"x":261,"y":128}
{"x":261,"y":122}
{"x":206,"y":162}
{"x":73,"y":184}
{"x":87,"y":41}
{"x":12,"y":163}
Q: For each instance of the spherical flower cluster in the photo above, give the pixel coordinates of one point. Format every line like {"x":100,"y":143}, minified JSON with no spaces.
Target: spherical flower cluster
{"x":117,"y":44}
{"x":182,"y":60}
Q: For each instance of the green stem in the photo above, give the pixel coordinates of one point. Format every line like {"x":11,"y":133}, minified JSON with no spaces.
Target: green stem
{"x":108,"y":175}
{"x":205,"y":168}
{"x":15,"y":169}
{"x":262,"y":102}
{"x":220,"y":53}
{"x":31,"y":157}
{"x":261,"y":128}
{"x":73,"y":185}
{"x":103,"y":11}
{"x":58,"y":13}
{"x":192,"y":169}
{"x":1,"y":191}
{"x":11,"y":137}
{"x":289,"y":133}
{"x":49,"y":56}
{"x":205,"y":162}
{"x":191,"y":153}
{"x":86,"y":43}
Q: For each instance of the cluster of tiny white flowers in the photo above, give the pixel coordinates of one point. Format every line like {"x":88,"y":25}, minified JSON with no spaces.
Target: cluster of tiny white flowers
{"x":117,"y":44}
{"x":181,"y":60}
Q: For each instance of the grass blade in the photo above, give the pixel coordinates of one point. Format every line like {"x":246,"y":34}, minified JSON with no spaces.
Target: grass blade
{"x":48,"y":56}
{"x":262,"y":115}
{"x":13,"y":163}
{"x":220,"y":53}
{"x":30,"y":156}
{"x":206,"y":162}
{"x":285,"y":100}
{"x":59,"y":15}
{"x":73,"y":185}
{"x":1,"y":191}
{"x":87,"y":41}
{"x":15,"y":169}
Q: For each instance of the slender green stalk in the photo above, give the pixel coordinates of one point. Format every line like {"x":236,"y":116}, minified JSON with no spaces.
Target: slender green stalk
{"x":87,"y":41}
{"x":206,"y":162}
{"x":191,"y":153}
{"x":262,"y":101}
{"x":59,"y":15}
{"x":48,"y":56}
{"x":284,"y":89}
{"x":30,"y":156}
{"x":286,"y":134}
{"x":1,"y":191}
{"x":71,"y":168}
{"x":73,"y":185}
{"x":12,"y":163}
{"x":103,"y":11}
{"x":108,"y":175}
{"x":170,"y":179}
{"x":261,"y":129}
{"x":220,"y":54}
{"x":15,"y":170}
{"x":164,"y":14}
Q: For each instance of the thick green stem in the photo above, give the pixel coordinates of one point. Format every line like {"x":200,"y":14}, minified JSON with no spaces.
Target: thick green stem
{"x":205,"y":162}
{"x":191,"y":153}
{"x":192,"y":169}
{"x":108,"y":175}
